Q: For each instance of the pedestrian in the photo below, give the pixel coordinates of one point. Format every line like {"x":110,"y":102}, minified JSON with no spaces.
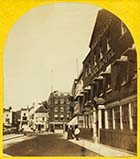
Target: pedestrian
{"x":39,"y":128}
{"x":77,"y":132}
{"x":70,"y":132}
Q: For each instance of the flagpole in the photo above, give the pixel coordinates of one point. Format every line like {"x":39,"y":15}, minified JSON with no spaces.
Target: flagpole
{"x":51,"y":80}
{"x":77,"y":69}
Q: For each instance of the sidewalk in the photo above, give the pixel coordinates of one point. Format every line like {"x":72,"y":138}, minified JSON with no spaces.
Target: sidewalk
{"x":12,"y":136}
{"x":101,"y":149}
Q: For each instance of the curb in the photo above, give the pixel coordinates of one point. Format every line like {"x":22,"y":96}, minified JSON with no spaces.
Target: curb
{"x":13,"y":137}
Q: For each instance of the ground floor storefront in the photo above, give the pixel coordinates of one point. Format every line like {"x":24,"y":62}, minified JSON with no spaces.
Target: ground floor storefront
{"x":113,"y":123}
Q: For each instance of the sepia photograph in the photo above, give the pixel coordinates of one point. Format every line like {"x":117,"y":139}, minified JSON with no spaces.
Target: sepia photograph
{"x":70,"y":84}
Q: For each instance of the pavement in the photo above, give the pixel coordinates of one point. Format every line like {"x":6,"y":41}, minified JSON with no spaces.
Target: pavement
{"x":101,"y":149}
{"x":12,"y":136}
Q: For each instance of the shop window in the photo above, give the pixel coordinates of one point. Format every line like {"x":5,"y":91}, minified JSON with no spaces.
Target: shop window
{"x":125,"y":116}
{"x":117,"y":117}
{"x":134,"y":114}
{"x":110,"y":118}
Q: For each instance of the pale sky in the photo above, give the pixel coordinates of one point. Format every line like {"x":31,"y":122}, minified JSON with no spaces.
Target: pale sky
{"x":41,"y":51}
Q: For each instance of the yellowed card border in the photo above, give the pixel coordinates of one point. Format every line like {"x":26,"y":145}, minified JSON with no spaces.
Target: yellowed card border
{"x":12,"y":10}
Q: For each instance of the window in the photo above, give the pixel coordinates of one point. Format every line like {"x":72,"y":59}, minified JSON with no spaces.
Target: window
{"x":108,"y":81}
{"x":68,"y":109}
{"x":59,"y":94}
{"x":110,"y":118}
{"x":7,"y":120}
{"x":56,"y":101}
{"x":67,"y":101}
{"x":61,"y":101}
{"x":124,"y":69}
{"x":56,"y":116}
{"x":108,"y":77}
{"x":125,"y":116}
{"x":61,"y":117}
{"x":24,"y":118}
{"x":61,"y":109}
{"x":68,"y":116}
{"x":89,"y":67}
{"x":108,"y":45}
{"x":134,"y":114}
{"x":55,"y":109}
{"x":24,"y":114}
{"x":117,"y":117}
{"x":95,"y":61}
{"x":100,"y":53}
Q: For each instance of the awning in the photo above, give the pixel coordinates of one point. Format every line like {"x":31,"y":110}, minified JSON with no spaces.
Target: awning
{"x":74,"y":121}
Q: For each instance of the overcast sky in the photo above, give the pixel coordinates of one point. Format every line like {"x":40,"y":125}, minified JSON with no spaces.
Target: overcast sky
{"x":41,"y":51}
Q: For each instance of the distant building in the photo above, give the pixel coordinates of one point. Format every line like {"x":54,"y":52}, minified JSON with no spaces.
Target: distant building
{"x":24,"y":117}
{"x":7,"y":117}
{"x":16,"y":118}
{"x":59,"y":109}
{"x":41,"y":117}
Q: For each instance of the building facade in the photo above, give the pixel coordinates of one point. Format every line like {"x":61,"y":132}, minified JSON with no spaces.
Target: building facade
{"x":59,"y":109}
{"x":107,"y":100}
{"x":7,"y":117}
{"x":110,"y":70}
{"x":81,"y":114}
{"x":24,"y":118}
{"x":41,"y":117}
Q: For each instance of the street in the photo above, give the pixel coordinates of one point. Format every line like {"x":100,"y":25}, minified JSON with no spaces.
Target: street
{"x":47,"y":145}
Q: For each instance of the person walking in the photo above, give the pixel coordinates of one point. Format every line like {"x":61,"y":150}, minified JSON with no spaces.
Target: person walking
{"x":77,"y":132}
{"x":70,"y":132}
